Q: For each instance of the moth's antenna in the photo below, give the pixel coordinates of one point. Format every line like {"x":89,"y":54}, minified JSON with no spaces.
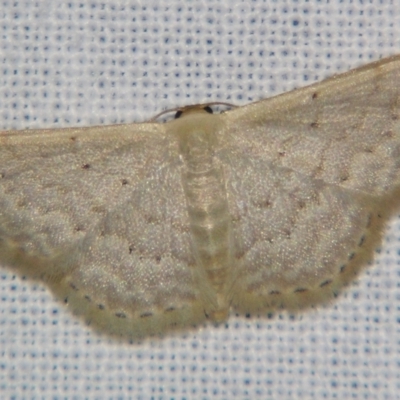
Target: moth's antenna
{"x":182,"y":109}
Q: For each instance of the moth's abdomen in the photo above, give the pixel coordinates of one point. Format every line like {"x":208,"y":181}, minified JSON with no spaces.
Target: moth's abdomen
{"x":207,"y":205}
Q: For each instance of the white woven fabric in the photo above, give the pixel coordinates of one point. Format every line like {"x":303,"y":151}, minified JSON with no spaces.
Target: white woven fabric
{"x":85,"y":63}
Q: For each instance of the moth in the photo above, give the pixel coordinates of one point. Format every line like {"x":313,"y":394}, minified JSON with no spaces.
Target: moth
{"x":146,"y":227}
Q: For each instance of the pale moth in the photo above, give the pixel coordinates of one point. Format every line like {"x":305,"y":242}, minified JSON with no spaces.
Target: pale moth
{"x":143,"y":228}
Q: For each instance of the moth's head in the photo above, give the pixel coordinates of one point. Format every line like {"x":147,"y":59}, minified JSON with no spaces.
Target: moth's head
{"x":181,"y":112}
{"x":195,"y":109}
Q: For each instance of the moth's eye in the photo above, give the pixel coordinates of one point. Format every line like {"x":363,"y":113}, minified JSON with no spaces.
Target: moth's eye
{"x":178,"y":114}
{"x":208,"y":109}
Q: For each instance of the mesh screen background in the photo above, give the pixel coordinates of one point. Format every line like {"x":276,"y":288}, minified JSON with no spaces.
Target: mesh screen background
{"x":81,"y":63}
